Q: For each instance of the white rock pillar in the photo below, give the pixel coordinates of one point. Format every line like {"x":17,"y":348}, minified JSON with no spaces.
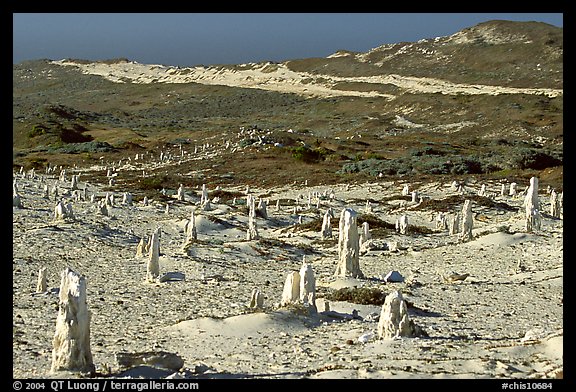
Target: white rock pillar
{"x":109,"y":199}
{"x":63,"y":211}
{"x":191,"y":227}
{"x":502,"y":190}
{"x":291,"y":292}
{"x":326,"y":232}
{"x":203,"y":195}
{"x":482,"y":191}
{"x":256,"y":300}
{"x":278,"y":205}
{"x":406,"y":190}
{"x":153,"y":266}
{"x":554,"y":204}
{"x":16,"y":199}
{"x":307,"y":290}
{"x":71,"y":342}
{"x":142,"y":248}
{"x":441,"y":221}
{"x":252,"y":233}
{"x":180,"y":194}
{"x":532,"y":206}
{"x":414,"y":197}
{"x":454,"y":224}
{"x":365,"y":233}
{"x":204,"y":201}
{"x":402,"y":224}
{"x":263,"y":208}
{"x":368,"y":207}
{"x":127,"y":198}
{"x":513,"y":189}
{"x":102,"y":208}
{"x":348,"y":245}
{"x":467,"y":221}
{"x":191,"y":233}
{"x":74,"y":183}
{"x":394,"y":321}
{"x":42,"y":285}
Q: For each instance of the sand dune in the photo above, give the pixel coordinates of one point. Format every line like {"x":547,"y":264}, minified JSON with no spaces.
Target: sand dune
{"x":282,"y":79}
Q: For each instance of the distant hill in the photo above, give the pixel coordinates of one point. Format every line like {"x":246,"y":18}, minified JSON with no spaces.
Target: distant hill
{"x":498,"y":82}
{"x":503,"y":53}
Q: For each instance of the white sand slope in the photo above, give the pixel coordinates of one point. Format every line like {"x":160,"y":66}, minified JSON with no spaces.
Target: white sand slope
{"x":278,"y":77}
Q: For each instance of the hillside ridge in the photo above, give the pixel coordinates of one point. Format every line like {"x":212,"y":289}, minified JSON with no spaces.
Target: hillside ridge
{"x":485,"y":100}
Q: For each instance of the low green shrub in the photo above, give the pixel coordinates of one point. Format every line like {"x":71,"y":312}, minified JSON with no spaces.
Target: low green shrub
{"x":358,"y":295}
{"x":309,"y":155}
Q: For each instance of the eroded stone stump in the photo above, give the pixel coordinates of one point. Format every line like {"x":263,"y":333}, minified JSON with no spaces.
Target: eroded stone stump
{"x":42,"y":285}
{"x":180,"y":193}
{"x":256,"y":300}
{"x":307,"y":286}
{"x":252,"y":232}
{"x":71,"y":342}
{"x":402,"y":224}
{"x":153,"y":266}
{"x":513,"y":189}
{"x":348,"y":245}
{"x":63,"y":211}
{"x":142,"y":248}
{"x":532,"y":206}
{"x":554,"y":204}
{"x":291,"y":292}
{"x":454,"y":224}
{"x":394,"y":320}
{"x":190,"y":229}
{"x":16,"y":199}
{"x":326,"y":232}
{"x":467,"y":222}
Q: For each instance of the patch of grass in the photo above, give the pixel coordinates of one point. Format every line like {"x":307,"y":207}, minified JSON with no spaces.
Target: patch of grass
{"x":150,"y":183}
{"x":358,"y":295}
{"x":455,"y":202}
{"x":309,"y":155}
{"x":83,"y":147}
{"x":37,"y":130}
{"x":38,"y":162}
{"x":226,"y":195}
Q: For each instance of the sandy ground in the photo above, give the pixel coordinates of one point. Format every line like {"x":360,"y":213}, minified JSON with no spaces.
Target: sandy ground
{"x":282,"y":79}
{"x":504,"y":321}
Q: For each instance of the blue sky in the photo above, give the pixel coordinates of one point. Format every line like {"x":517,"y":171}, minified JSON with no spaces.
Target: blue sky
{"x":187,"y":39}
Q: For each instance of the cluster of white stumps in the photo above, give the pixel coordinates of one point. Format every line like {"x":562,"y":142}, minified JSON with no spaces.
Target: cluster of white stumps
{"x":71,"y":342}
